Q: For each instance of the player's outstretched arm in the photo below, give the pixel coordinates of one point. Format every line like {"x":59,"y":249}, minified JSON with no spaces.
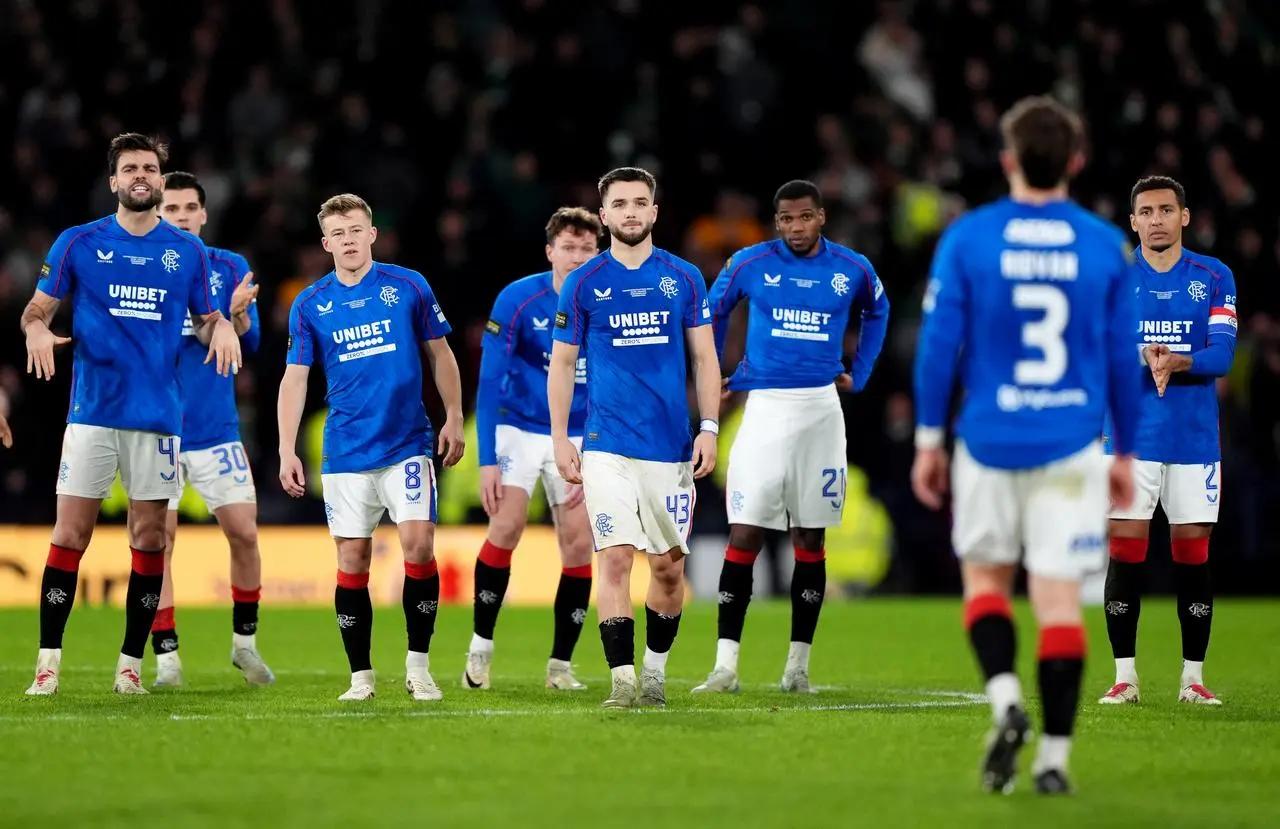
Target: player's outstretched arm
{"x":444,"y":368}
{"x":40,"y":340}
{"x":560,"y":380}
{"x":706,"y":368}
{"x":289,"y":405}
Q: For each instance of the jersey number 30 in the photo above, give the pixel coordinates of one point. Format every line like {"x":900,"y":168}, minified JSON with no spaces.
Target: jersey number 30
{"x":1044,"y":334}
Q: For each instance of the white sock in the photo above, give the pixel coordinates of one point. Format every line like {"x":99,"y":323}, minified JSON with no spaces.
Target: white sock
{"x":558,"y":665}
{"x":240,"y":640}
{"x":481,"y":645}
{"x":1003,"y":690}
{"x":46,"y":655}
{"x":655,"y":661}
{"x":414,"y":661}
{"x":798,"y":656}
{"x":362,"y":678}
{"x":625,"y":673}
{"x":126,"y":662}
{"x":166,"y":658}
{"x":1192,"y":673}
{"x":1052,"y":753}
{"x":727,"y":654}
{"x":1127,"y":670}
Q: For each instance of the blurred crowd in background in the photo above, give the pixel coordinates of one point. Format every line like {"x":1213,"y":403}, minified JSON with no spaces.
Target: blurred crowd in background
{"x":466,"y":122}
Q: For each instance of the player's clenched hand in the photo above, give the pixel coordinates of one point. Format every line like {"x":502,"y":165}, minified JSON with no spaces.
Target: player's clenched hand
{"x":1121,"y":482}
{"x":245,"y":293}
{"x":704,"y":454}
{"x":224,"y":347}
{"x":490,"y":489}
{"x":451,"y":441}
{"x":929,"y":477}
{"x":844,"y":382}
{"x":568,"y":461}
{"x":40,"y":345}
{"x":6,"y":436}
{"x":292,"y":477}
{"x":725,"y":394}
{"x":573,"y":495}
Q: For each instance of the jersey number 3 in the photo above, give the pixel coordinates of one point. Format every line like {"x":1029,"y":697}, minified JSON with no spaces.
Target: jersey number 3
{"x":1044,"y":334}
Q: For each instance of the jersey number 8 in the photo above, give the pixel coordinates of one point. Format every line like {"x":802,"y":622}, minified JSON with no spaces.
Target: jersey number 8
{"x":1044,"y":334}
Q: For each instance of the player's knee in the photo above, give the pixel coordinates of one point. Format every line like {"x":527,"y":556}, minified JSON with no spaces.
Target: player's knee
{"x":746,"y":538}
{"x":576,"y":548}
{"x":813,"y":540}
{"x":1055,"y":601}
{"x":667,"y":574}
{"x":1190,"y":550}
{"x":505,"y":531}
{"x":1128,"y":550}
{"x":615,"y":566}
{"x":243,"y":540}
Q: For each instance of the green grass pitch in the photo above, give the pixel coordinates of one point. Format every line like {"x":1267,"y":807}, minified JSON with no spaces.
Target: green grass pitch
{"x":892,"y":739}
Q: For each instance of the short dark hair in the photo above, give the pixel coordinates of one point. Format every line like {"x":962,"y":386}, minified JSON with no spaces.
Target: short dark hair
{"x":798,"y":189}
{"x":133,"y":141}
{"x":178,"y":180}
{"x":1149,"y":183}
{"x":627,"y":174}
{"x":1044,"y":136}
{"x":576,"y":219}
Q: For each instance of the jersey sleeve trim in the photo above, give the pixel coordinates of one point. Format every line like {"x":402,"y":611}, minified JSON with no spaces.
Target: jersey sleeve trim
{"x":300,"y":332}
{"x":577,"y":304}
{"x":511,"y":324}
{"x":688,"y":277}
{"x":426,"y":306}
{"x":66,"y":252}
{"x":734,"y":275}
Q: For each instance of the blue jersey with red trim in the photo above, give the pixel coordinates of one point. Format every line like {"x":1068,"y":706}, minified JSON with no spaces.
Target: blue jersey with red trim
{"x":1190,"y":309}
{"x":632,"y":324}
{"x":515,"y":356}
{"x":369,"y":338}
{"x":129,"y":298}
{"x":800,"y":308}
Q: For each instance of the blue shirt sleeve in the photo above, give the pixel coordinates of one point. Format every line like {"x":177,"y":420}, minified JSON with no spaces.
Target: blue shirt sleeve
{"x":874,"y":326}
{"x":250,"y":339}
{"x":429,"y":321}
{"x":200,"y":297}
{"x":1124,"y":394}
{"x":302,"y":343}
{"x":726,"y":293}
{"x":1214,"y":360}
{"x":496,"y":347}
{"x":571,"y":315}
{"x":56,"y":277}
{"x":946,"y":307}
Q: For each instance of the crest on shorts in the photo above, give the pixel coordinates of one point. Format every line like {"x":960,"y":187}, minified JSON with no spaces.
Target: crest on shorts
{"x":604,"y":524}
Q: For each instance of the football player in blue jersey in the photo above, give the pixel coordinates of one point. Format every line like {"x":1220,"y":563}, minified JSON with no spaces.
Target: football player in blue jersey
{"x":131,"y":278}
{"x":633,"y":309}
{"x":513,"y":426}
{"x":213,"y":458}
{"x":1031,"y":302}
{"x":1187,"y":338}
{"x":787,"y":465}
{"x":368,"y":324}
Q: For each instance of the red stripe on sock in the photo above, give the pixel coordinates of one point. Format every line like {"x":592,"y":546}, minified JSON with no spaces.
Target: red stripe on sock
{"x":1129,"y":550}
{"x":987,"y":604}
{"x":147,"y":562}
{"x":64,"y":558}
{"x":811,"y":556}
{"x":583,"y":572}
{"x":420,"y":571}
{"x":353,"y":581}
{"x":495,"y":556}
{"x":740,"y":556}
{"x":164,"y":620}
{"x":240,"y":595}
{"x":1190,"y":550}
{"x":1062,"y":642}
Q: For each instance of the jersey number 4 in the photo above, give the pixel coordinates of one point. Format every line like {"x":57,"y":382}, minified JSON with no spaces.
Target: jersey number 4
{"x":1044,"y":334}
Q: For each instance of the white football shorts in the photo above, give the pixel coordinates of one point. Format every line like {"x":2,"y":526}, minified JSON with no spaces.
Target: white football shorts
{"x":788,"y":460}
{"x":354,"y":502}
{"x":1188,"y":492}
{"x":524,"y":457}
{"x":220,"y":475}
{"x":645,"y":504}
{"x":1053,"y":518}
{"x":91,"y":456}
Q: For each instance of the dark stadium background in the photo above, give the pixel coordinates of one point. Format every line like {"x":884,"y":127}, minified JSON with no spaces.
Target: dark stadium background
{"x":466,"y":123}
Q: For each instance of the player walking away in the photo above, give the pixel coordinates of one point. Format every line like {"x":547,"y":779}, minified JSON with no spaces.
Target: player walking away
{"x":1031,"y":297}
{"x":514,"y":430}
{"x":131,"y":278}
{"x":365,"y":322}
{"x":213,"y":458}
{"x":1187,"y":336}
{"x":632,"y":308}
{"x":787,"y":465}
